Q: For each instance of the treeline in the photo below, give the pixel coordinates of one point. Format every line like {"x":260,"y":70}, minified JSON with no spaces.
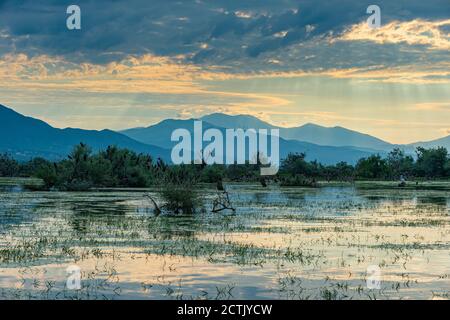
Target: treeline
{"x":115,"y":167}
{"x":431,"y":163}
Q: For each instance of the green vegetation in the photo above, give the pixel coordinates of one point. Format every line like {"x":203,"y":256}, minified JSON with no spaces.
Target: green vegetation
{"x":82,"y":170}
{"x":177,"y":189}
{"x":429,"y":164}
{"x":283,"y":234}
{"x":115,"y":167}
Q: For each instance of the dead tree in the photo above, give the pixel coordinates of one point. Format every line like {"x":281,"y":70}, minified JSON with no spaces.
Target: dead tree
{"x":156,"y":209}
{"x":222,"y":202}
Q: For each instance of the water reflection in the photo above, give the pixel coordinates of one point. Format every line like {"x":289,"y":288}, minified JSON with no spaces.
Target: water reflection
{"x":435,"y":200}
{"x":282,"y":242}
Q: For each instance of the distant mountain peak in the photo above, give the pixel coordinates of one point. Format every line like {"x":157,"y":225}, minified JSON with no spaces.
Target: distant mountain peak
{"x":217,"y":116}
{"x":221,"y":114}
{"x":311,"y":125}
{"x":242,"y":121}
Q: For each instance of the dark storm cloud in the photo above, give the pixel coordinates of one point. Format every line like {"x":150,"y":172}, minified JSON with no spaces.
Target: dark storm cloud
{"x":210,"y":32}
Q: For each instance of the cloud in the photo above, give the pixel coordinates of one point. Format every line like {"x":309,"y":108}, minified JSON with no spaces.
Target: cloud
{"x":235,"y":34}
{"x":416,"y":32}
{"x":437,"y":74}
{"x":164,"y":79}
{"x":290,"y":60}
{"x":150,"y":74}
{"x":146,"y":73}
{"x":432,"y":106}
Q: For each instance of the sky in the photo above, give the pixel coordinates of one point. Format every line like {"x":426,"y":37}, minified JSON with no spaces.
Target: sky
{"x":137,"y":62}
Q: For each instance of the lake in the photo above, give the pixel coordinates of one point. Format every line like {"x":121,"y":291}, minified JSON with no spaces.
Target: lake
{"x":282,"y":243}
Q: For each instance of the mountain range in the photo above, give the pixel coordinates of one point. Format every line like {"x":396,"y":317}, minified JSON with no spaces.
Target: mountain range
{"x":159,"y":135}
{"x":26,"y":137}
{"x":327,"y":145}
{"x":312,"y":133}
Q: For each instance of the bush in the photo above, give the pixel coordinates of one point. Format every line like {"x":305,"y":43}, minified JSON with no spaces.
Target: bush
{"x":213,"y":173}
{"x":373,"y":167}
{"x":432,"y":163}
{"x":8,"y":166}
{"x":297,"y":181}
{"x":178,"y":190}
{"x":47,"y":173}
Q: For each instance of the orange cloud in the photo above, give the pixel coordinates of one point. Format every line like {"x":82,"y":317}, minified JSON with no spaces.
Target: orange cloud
{"x":415,"y":32}
{"x":432,"y":106}
{"x":164,"y":75}
{"x":144,"y":74}
{"x":435,"y":74}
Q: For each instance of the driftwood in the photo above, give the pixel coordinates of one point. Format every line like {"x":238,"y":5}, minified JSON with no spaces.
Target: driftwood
{"x":157,"y":210}
{"x":222,"y":202}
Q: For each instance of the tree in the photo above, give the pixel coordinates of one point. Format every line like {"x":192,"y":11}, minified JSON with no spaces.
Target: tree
{"x":399,"y":164}
{"x":8,"y":166}
{"x":341,"y":171}
{"x":128,"y":168}
{"x":373,"y":167}
{"x":431,"y":163}
{"x":79,"y":160}
{"x":239,"y":172}
{"x":100,"y":172}
{"x":47,"y":172}
{"x":295,"y":164}
{"x":29,"y":168}
{"x":447,"y":168}
{"x":213,"y":173}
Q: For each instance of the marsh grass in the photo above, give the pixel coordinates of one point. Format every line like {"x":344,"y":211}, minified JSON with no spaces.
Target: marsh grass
{"x":300,"y":244}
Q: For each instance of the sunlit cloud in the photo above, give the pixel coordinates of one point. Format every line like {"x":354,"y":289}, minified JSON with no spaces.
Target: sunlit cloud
{"x":432,"y":106}
{"x":415,"y":32}
{"x":243,"y":14}
{"x":435,"y":74}
{"x":140,"y":90}
{"x":164,"y":75}
{"x":146,"y":74}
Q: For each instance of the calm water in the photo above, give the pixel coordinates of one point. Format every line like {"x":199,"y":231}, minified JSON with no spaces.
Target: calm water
{"x":281,"y":243}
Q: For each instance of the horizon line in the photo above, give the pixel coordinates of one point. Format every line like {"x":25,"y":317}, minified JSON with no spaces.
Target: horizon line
{"x":226,"y":114}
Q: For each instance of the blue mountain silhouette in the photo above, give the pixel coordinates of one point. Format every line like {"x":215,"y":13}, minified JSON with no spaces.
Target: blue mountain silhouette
{"x":25,"y":137}
{"x":160,"y":134}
